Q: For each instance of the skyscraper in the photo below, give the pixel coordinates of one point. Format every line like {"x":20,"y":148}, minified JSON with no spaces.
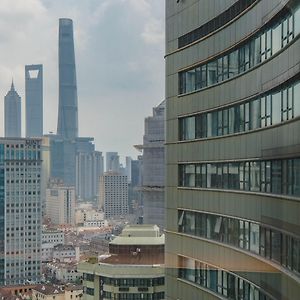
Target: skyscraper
{"x":34,"y":100}
{"x":12,"y":113}
{"x":233,"y":149}
{"x":20,"y":211}
{"x":67,"y":126}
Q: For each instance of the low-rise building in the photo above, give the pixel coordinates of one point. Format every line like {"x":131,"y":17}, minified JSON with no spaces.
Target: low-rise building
{"x":100,"y":223}
{"x":62,"y":272}
{"x":50,"y":292}
{"x":50,"y":239}
{"x":88,"y":214}
{"x":66,"y":253}
{"x":134,"y":268}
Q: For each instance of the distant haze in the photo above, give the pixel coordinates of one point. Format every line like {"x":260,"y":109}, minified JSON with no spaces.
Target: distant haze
{"x":119,"y":48}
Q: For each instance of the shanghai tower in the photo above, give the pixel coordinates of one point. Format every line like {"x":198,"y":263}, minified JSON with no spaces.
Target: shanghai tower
{"x":67,"y":126}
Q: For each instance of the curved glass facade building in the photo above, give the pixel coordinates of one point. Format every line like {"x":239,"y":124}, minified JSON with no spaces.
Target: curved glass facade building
{"x":67,"y":126}
{"x":233,"y":149}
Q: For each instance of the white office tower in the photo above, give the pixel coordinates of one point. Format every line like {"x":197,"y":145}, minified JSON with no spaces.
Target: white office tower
{"x":20,"y":211}
{"x":114,"y":194}
{"x":60,"y":203}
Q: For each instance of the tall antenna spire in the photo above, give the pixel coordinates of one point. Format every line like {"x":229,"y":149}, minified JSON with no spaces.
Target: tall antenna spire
{"x":12,"y":88}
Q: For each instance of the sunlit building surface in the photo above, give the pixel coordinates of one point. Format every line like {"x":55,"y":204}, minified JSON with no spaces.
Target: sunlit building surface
{"x":20,"y":211}
{"x":233,"y":149}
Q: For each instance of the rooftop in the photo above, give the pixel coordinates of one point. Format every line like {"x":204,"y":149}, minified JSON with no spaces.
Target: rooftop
{"x":48,"y":289}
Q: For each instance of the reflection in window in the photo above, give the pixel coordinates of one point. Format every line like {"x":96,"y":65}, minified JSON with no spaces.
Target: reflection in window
{"x":217,"y":280}
{"x":266,"y":242}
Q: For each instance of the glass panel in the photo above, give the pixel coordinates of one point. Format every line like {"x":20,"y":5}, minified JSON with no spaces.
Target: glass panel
{"x":255,"y":176}
{"x":276,"y":38}
{"x":276,"y":177}
{"x":297,"y":97}
{"x":297,"y":21}
{"x":198,"y":78}
{"x":189,"y":176}
{"x":296,"y":177}
{"x":233,"y":63}
{"x":212,"y":73}
{"x":231,"y":116}
{"x":200,"y":224}
{"x":255,"y":114}
{"x":201,"y":126}
{"x":233,"y":176}
{"x":209,"y":124}
{"x":190,"y":80}
{"x":203,"y":76}
{"x":276,"y":108}
{"x":296,"y":255}
{"x":254,"y":238}
{"x":276,"y":246}
{"x":214,"y":123}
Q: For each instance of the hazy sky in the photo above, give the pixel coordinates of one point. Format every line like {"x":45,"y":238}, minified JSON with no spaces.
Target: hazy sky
{"x":119,"y":48}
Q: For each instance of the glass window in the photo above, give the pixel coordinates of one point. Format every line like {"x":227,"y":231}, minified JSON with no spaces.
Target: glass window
{"x":187,"y":128}
{"x":201,"y":126}
{"x":233,"y":63}
{"x":215,"y":123}
{"x":255,"y":114}
{"x":297,"y":21}
{"x":254,"y":238}
{"x":209,"y":125}
{"x":296,"y":177}
{"x":287,"y":108}
{"x":203,"y":76}
{"x":276,"y":108}
{"x":276,"y":177}
{"x":276,"y":246}
{"x":297,"y":97}
{"x":200,"y":224}
{"x":276,"y":38}
{"x":265,"y":110}
{"x":265,"y":176}
{"x":233,"y":176}
{"x":189,"y":176}
{"x":220,"y":69}
{"x":182,"y":82}
{"x":190,"y":80}
{"x":239,"y":118}
{"x":212,"y":73}
{"x":189,"y":223}
{"x":231,"y":116}
{"x":198,"y":78}
{"x":296,"y":255}
{"x":255,"y":176}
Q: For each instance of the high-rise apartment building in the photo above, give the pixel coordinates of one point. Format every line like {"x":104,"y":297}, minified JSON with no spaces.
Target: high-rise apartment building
{"x":114,"y":194}
{"x":34,"y":100}
{"x":233,"y":149}
{"x":20,"y":211}
{"x":67,"y":126}
{"x":153,"y":178}
{"x":60,"y":203}
{"x":133,"y":269}
{"x":12,"y":113}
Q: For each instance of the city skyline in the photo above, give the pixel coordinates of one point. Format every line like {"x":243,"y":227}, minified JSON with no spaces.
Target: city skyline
{"x":136,"y":86}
